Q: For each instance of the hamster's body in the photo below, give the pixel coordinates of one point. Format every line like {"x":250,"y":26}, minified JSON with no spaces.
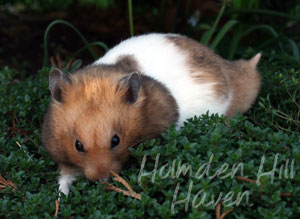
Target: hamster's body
{"x":159,"y":57}
{"x":177,"y":78}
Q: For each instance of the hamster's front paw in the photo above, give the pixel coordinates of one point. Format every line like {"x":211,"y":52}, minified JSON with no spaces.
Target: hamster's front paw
{"x":65,"y":182}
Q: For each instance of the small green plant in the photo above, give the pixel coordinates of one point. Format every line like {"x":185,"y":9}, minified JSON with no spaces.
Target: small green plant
{"x":245,"y":4}
{"x":87,"y":45}
{"x":130,"y":18}
{"x":240,"y":30}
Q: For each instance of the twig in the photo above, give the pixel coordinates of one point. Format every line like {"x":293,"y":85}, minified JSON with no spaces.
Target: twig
{"x":59,"y":62}
{"x":4,"y":183}
{"x":56,"y":208}
{"x":293,"y":98}
{"x":119,"y":179}
{"x":127,"y":193}
{"x":285,"y":116}
{"x":68,"y":66}
{"x":246,"y":179}
{"x":286,"y":194}
{"x":218,"y":211}
{"x":20,"y":146}
{"x":226,"y":212}
{"x":122,"y":181}
{"x":52,"y":61}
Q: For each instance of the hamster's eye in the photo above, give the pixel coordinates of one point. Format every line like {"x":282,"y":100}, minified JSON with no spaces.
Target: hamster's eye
{"x":79,"y":146}
{"x":115,"y":140}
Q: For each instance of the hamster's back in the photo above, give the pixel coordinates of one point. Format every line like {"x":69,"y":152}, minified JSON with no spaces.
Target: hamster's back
{"x":161,"y":57}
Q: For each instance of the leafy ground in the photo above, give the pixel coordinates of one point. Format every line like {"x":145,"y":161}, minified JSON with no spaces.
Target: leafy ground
{"x":248,"y":167}
{"x":267,"y":137}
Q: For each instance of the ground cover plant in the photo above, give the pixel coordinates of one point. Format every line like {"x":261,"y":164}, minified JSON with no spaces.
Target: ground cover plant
{"x":248,"y":167}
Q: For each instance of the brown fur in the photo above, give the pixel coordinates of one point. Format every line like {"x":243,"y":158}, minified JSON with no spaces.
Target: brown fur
{"x":92,"y":110}
{"x":238,"y":78}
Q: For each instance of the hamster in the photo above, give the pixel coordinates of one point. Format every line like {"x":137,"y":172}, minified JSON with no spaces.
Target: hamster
{"x":134,"y":92}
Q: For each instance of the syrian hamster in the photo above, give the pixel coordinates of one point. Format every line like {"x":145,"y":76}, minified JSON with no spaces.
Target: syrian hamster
{"x":134,"y":92}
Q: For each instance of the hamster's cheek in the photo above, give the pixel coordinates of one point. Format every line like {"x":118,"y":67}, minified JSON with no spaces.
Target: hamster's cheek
{"x":116,"y":167}
{"x":121,"y":157}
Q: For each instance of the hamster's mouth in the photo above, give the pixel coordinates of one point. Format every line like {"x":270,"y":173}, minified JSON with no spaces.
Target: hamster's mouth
{"x":107,"y":176}
{"x":104,"y":178}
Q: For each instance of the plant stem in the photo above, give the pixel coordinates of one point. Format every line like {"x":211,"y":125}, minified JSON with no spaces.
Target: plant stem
{"x":262,"y":11}
{"x":235,"y":41}
{"x":176,"y":15}
{"x":45,"y":61}
{"x":211,"y":32}
{"x":100,"y":44}
{"x":130,"y":17}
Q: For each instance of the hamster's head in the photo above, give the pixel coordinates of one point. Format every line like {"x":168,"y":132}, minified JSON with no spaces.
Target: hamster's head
{"x":93,"y":119}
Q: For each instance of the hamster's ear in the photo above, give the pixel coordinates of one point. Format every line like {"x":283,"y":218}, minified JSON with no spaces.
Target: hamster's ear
{"x":132,"y":83}
{"x":254,"y":61}
{"x":56,"y":76}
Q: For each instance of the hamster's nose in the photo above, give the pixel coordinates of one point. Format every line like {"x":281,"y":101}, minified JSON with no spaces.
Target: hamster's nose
{"x":97,"y":173}
{"x":104,"y":177}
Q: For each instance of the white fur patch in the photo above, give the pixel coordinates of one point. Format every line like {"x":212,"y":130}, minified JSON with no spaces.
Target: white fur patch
{"x":65,"y":182}
{"x":165,"y":62}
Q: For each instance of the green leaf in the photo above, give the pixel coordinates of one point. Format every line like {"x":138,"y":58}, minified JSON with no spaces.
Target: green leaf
{"x":222,"y":32}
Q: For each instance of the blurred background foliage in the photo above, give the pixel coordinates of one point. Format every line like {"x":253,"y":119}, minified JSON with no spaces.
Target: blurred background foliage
{"x":226,"y":26}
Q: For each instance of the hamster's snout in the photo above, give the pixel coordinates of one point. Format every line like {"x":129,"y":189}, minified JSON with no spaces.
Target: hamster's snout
{"x":96,"y":174}
{"x":100,"y":171}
